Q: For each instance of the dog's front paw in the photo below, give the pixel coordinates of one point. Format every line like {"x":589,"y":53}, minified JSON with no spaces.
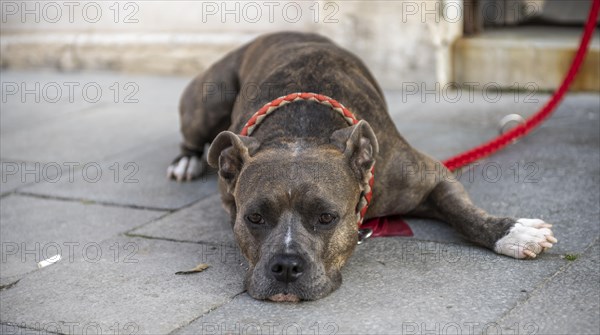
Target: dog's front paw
{"x":186,"y":168}
{"x":527,"y":238}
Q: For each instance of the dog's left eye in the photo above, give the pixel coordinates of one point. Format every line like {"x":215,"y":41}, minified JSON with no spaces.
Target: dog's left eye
{"x":326,"y":218}
{"x":255,"y":218}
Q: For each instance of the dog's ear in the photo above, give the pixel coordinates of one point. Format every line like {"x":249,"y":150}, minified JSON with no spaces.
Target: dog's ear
{"x":228,"y":153}
{"x":359,"y":145}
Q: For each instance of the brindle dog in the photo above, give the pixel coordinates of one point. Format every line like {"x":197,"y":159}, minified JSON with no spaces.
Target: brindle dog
{"x":292,"y":188}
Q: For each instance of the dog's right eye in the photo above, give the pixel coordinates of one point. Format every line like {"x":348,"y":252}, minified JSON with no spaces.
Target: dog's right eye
{"x":326,"y":218}
{"x":255,"y":218}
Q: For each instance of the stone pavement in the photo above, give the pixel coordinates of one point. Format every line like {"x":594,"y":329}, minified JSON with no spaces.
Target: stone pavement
{"x":83,"y":176}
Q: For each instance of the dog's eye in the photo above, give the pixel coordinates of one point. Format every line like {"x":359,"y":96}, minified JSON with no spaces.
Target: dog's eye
{"x":255,"y":218}
{"x":326,"y":218}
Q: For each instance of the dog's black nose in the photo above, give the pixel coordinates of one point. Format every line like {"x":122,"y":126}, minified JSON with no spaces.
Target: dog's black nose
{"x":286,"y":268}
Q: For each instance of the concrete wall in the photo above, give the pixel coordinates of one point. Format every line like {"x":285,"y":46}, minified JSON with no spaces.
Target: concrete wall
{"x":184,"y":37}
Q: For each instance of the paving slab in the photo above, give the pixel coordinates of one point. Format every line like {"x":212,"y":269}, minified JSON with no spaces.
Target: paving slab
{"x":135,"y":178}
{"x":123,"y":118}
{"x":448,"y":122}
{"x":569,"y":303}
{"x":35,"y":229}
{"x":15,"y":174}
{"x":433,"y":230}
{"x":433,"y":282}
{"x":91,"y":137}
{"x":204,"y":222}
{"x":558,"y":172}
{"x":15,"y":329}
{"x":397,"y":286}
{"x":552,"y":174}
{"x":33,"y":98}
{"x":132,"y":291}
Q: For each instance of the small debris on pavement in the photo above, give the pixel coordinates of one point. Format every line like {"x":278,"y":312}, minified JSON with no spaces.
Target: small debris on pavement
{"x":48,"y":261}
{"x":199,"y":268}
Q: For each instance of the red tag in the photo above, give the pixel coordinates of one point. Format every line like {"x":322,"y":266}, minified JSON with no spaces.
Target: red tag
{"x":388,"y":226}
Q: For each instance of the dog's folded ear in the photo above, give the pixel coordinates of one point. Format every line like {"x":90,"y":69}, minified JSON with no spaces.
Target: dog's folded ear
{"x":228,"y":152}
{"x":359,"y":144}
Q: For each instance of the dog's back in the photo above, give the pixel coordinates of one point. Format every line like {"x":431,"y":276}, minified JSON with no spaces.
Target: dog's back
{"x":278,"y":64}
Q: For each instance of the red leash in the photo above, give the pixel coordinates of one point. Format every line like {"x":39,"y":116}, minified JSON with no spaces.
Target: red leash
{"x":500,"y":142}
{"x":395,"y":226}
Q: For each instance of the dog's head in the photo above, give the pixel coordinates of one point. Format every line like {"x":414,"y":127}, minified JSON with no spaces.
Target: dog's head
{"x":294,"y":207}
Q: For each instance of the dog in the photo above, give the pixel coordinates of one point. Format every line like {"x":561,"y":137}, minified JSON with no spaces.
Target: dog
{"x":296,"y":187}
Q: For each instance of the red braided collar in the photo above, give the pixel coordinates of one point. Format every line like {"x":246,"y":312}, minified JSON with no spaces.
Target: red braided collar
{"x":268,"y":108}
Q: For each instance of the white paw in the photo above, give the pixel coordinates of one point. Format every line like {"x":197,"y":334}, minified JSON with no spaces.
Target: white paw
{"x":186,"y":169}
{"x":526,"y":239}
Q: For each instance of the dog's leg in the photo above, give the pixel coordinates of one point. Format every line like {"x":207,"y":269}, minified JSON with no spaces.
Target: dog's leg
{"x":518,"y":238}
{"x":205,"y":110}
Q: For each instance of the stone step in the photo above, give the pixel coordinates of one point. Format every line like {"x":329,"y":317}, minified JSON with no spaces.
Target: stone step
{"x":524,"y":55}
{"x":155,"y":53}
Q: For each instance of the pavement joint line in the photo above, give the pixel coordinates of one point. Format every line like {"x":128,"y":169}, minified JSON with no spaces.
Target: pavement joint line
{"x":94,"y":202}
{"x":543,"y":283}
{"x":27,"y":184}
{"x":208,"y":312}
{"x":7,"y":194}
{"x":175,"y":240}
{"x":160,"y":217}
{"x":45,"y":331}
{"x":9,"y":285}
{"x":166,"y":213}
